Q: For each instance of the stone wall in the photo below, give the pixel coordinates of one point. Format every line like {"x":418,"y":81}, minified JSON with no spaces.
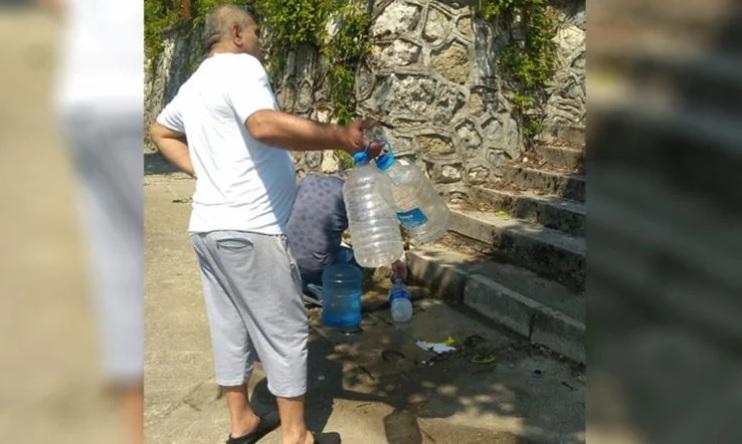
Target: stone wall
{"x":181,"y":52}
{"x":432,"y":81}
{"x":566,"y":106}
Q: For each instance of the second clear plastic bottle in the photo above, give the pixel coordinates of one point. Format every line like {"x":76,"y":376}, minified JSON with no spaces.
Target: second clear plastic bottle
{"x":419,"y":207}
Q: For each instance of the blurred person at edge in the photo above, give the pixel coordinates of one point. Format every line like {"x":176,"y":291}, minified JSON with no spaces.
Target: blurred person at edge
{"x":100,"y":107}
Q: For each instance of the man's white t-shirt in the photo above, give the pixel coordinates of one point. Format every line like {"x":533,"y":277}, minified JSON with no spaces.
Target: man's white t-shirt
{"x":242,"y":184}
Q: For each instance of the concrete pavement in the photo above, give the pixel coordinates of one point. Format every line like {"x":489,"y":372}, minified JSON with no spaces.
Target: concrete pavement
{"x":371,"y":387}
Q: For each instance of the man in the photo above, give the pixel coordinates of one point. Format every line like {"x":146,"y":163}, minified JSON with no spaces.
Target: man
{"x":236,"y":148}
{"x":315,"y":228}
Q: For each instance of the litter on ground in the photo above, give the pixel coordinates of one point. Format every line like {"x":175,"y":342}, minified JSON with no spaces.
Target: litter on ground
{"x":438,"y":347}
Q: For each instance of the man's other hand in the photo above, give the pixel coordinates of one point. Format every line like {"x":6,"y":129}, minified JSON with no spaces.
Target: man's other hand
{"x":399,"y":269}
{"x":355,"y":137}
{"x":374,"y":149}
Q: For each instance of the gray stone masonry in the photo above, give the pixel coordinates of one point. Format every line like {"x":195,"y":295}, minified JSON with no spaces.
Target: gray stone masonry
{"x":433,"y":82}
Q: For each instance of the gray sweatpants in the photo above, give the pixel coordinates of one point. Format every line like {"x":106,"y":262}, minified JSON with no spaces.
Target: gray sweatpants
{"x":252,"y":290}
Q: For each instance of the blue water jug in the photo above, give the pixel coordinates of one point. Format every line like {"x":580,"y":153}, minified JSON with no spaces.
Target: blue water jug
{"x":341,"y":296}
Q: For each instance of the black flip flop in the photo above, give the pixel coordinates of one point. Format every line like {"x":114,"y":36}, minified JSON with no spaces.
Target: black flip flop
{"x":326,"y":438}
{"x":266,"y":425}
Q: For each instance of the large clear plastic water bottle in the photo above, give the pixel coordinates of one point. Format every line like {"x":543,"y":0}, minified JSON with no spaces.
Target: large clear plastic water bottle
{"x":420,"y":208}
{"x":399,"y":299}
{"x":341,"y":296}
{"x":374,"y":229}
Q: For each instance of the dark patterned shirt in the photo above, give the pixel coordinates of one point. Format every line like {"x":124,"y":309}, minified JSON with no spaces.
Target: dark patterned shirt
{"x":316,"y":225}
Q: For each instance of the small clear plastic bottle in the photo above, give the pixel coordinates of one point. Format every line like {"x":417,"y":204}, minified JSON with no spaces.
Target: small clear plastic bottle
{"x":399,"y":301}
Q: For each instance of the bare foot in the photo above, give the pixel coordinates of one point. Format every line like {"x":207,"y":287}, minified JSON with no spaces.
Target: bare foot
{"x":248,"y":425}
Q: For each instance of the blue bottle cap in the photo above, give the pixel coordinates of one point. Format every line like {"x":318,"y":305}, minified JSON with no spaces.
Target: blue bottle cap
{"x":385,"y":161}
{"x":360,"y":158}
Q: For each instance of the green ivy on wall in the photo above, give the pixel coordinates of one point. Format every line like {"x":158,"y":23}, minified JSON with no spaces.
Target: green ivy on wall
{"x":528,"y":58}
{"x":291,"y":25}
{"x":526,"y":61}
{"x":344,"y":52}
{"x":160,"y":15}
{"x":288,"y":26}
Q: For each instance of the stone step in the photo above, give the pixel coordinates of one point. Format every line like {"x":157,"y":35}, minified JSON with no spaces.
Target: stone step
{"x":543,"y":311}
{"x":572,"y":135}
{"x":551,"y":253}
{"x":569,"y":186}
{"x":561,"y":158}
{"x":550,"y":211}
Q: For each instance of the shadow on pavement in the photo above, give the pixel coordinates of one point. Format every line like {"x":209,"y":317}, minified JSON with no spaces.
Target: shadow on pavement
{"x":155,"y":164}
{"x":523,"y":396}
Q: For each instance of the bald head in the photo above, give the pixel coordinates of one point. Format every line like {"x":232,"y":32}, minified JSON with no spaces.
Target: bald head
{"x":230,"y":28}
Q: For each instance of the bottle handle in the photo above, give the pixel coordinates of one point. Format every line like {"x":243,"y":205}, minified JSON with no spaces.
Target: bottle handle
{"x":388,"y":146}
{"x":384,"y":141}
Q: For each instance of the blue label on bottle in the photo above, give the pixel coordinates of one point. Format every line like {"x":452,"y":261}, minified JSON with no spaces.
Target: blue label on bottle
{"x":342,"y":312}
{"x":399,"y":293}
{"x":413,"y":218}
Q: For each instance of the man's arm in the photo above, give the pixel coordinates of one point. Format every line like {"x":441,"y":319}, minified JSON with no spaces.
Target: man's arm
{"x":172,"y":146}
{"x":296,"y":133}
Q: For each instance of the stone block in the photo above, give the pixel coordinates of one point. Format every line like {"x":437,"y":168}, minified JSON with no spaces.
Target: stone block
{"x":501,"y":132}
{"x":499,"y":303}
{"x":406,"y":95}
{"x":559,"y":333}
{"x":464,"y":26}
{"x":437,"y":26}
{"x":443,"y":273}
{"x":477,"y":174}
{"x":550,"y":211}
{"x":561,"y":158}
{"x":398,"y":53}
{"x":330,"y":163}
{"x":450,"y":173}
{"x":496,"y":158}
{"x":450,"y":101}
{"x":397,"y":18}
{"x":452,"y":62}
{"x":548,"y":252}
{"x":434,"y":145}
{"x":569,"y":186}
{"x":470,"y":139}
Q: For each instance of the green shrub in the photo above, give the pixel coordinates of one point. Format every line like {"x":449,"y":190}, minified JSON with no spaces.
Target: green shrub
{"x":288,"y":26}
{"x":527,"y":63}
